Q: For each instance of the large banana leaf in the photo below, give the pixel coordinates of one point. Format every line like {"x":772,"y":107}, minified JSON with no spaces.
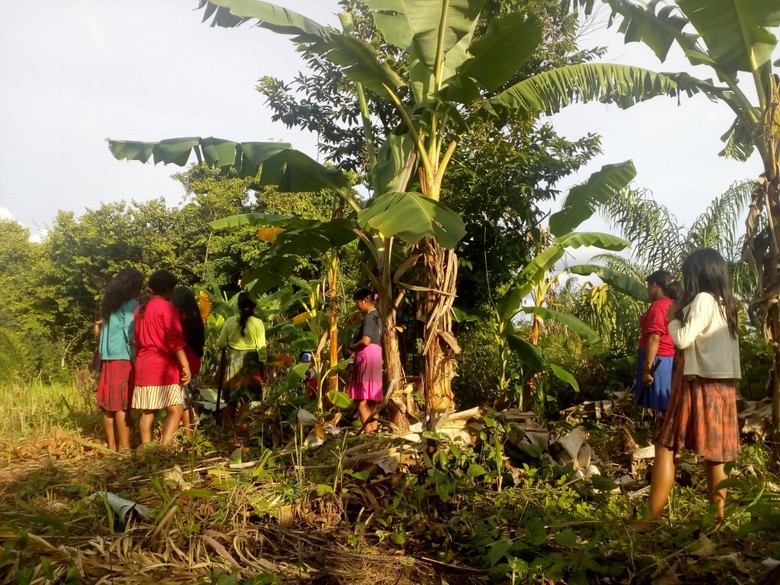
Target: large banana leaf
{"x":230,"y":13}
{"x":358,"y":60}
{"x":596,"y":239}
{"x":564,"y":375}
{"x":552,"y":90}
{"x":527,"y":352}
{"x":392,"y":162}
{"x":416,"y":27}
{"x":737,"y":32}
{"x":570,"y":321}
{"x":411,"y":217}
{"x":256,"y":219}
{"x":618,"y":280}
{"x":315,"y":237}
{"x":583,"y":200}
{"x":505,"y":47}
{"x":287,"y":169}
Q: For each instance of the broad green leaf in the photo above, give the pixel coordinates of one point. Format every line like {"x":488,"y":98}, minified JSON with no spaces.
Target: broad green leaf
{"x":526,"y":351}
{"x":509,"y":304}
{"x":230,"y":13}
{"x":566,"y":538}
{"x":340,"y":399}
{"x":323,"y":489}
{"x":392,"y":160}
{"x":256,"y":219}
{"x":314,"y":238}
{"x":359,"y":62}
{"x":564,"y":376}
{"x":411,"y":217}
{"x":618,"y":280}
{"x":736,"y":32}
{"x":583,"y":200}
{"x":505,"y":47}
{"x":601,"y":483}
{"x":570,"y":321}
{"x":416,"y":27}
{"x":596,"y":239}
{"x":552,"y":90}
{"x":475,"y":470}
{"x":293,"y":171}
{"x":538,"y":267}
{"x":464,"y":316}
{"x":218,"y":152}
{"x":256,"y":154}
{"x":270,"y":273}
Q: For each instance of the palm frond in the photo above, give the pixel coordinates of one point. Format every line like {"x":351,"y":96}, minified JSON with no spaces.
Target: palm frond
{"x":720,"y":225}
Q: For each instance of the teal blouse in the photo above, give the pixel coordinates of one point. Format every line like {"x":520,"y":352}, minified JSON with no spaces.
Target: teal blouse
{"x":116,"y":335}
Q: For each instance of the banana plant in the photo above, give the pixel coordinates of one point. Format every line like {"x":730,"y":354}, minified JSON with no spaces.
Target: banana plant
{"x":452,"y":76}
{"x":537,"y":279}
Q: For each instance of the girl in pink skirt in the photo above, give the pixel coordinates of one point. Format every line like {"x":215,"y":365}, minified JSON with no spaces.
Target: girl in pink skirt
{"x":365,"y":383}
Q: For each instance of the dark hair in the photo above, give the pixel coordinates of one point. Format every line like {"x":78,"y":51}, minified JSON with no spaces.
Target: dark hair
{"x":670,"y":286}
{"x":191,"y":323}
{"x":364,"y":294}
{"x":123,"y":287}
{"x":161,"y":281}
{"x":246,"y":308}
{"x":705,"y":271}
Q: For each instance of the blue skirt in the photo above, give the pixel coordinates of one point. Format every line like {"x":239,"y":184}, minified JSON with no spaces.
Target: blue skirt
{"x":657,"y":395}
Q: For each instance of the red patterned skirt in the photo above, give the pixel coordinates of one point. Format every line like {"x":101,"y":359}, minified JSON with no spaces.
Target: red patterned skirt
{"x":115,"y":388}
{"x":702,"y":416}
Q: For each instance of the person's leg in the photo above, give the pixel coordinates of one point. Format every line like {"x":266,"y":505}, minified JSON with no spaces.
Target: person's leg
{"x":373,"y":426}
{"x":145,"y":426}
{"x":186,"y":422}
{"x":171,"y":423}
{"x":716,"y":473}
{"x":123,"y":429}
{"x":364,"y":410}
{"x":108,"y":427}
{"x":662,"y":481}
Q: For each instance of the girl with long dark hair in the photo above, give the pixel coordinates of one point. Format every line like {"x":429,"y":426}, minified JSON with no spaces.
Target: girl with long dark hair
{"x":702,"y":414}
{"x":195,"y":339}
{"x":115,"y":387}
{"x":244,"y":337}
{"x":161,"y":363}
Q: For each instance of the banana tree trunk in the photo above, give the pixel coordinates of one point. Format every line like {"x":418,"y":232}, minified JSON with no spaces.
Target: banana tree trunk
{"x":438,"y":275}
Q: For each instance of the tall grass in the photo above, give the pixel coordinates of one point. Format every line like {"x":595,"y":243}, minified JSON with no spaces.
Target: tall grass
{"x":35,"y":409}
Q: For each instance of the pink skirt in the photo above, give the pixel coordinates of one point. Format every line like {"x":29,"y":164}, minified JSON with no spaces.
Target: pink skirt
{"x":366,"y":380}
{"x":115,"y":388}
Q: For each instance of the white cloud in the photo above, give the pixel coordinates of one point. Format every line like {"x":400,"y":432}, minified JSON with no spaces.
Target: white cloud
{"x":5,"y":213}
{"x":38,"y":237}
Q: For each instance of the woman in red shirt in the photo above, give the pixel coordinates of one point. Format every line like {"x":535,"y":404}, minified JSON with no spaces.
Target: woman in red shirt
{"x":161,"y":366}
{"x":656,"y":348}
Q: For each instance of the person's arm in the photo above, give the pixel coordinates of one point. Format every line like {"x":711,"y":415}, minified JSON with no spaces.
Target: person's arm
{"x":364,"y":341}
{"x":698,"y":317}
{"x":650,"y":352}
{"x":97,"y":327}
{"x":181,"y":357}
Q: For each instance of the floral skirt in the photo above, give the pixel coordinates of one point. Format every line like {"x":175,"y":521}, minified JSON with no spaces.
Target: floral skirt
{"x":702,"y":416}
{"x":115,"y":388}
{"x":243,"y":377}
{"x":156,"y":397}
{"x":365,"y":383}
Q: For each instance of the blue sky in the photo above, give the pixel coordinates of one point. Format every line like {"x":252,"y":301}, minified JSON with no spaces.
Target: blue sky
{"x":77,"y":72}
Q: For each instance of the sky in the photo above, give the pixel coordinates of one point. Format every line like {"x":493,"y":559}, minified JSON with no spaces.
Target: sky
{"x":75,"y":73}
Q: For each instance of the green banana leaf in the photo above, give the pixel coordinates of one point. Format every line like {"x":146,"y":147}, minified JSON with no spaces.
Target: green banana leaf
{"x":618,"y":280}
{"x":552,"y":90}
{"x":231,"y":13}
{"x":505,"y":47}
{"x":570,"y":321}
{"x":596,"y":239}
{"x":564,"y":375}
{"x":411,"y":217}
{"x":583,"y":200}
{"x":527,"y":352}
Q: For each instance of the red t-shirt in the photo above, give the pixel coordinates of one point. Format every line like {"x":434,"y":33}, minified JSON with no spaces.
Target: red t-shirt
{"x":158,"y":337}
{"x":656,"y":321}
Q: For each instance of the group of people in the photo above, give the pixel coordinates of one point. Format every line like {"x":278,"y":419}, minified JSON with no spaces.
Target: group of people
{"x":151,"y":345}
{"x":687,"y":370}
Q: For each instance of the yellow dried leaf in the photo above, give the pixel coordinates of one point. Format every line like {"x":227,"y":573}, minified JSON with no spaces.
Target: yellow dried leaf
{"x":268,"y":234}
{"x":204,"y":306}
{"x":303,"y":317}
